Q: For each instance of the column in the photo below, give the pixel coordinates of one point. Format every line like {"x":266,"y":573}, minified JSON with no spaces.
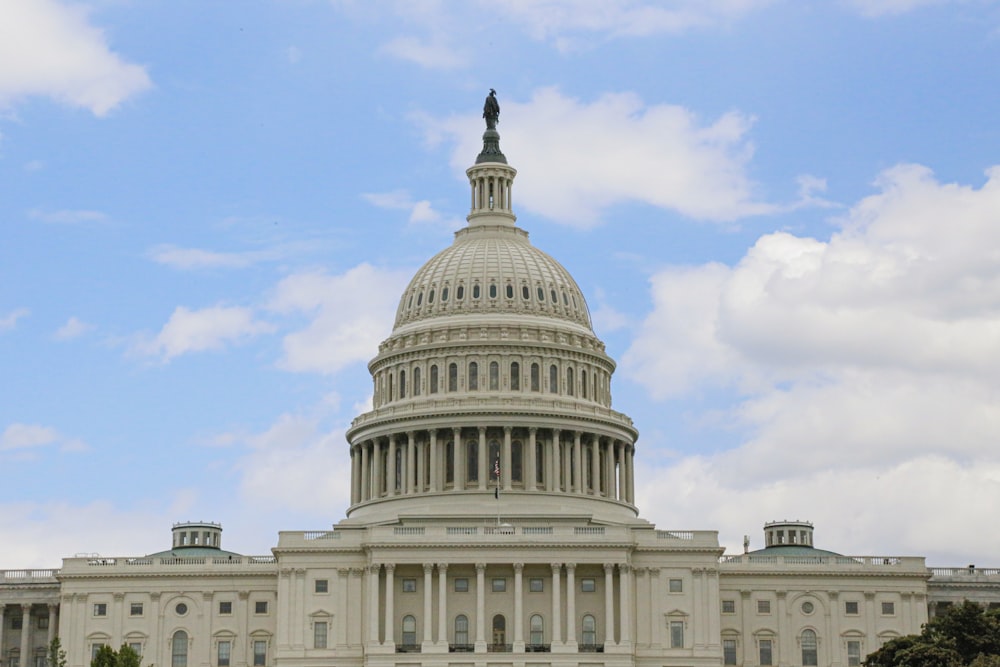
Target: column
{"x":787,"y":641}
{"x":26,"y":635}
{"x":2,"y":606}
{"x":620,"y":457}
{"x":642,"y":601}
{"x":437,"y":470}
{"x":352,"y":633}
{"x":656,"y":608}
{"x":518,"y":608}
{"x":53,"y":623}
{"x":746,"y":624}
{"x":871,"y":639}
{"x":155,"y":629}
{"x":378,"y":472}
{"x":555,"y":465}
{"x":578,"y":481}
{"x":571,"y":604}
{"x":595,"y":465}
{"x":609,"y":604}
{"x":443,"y":603}
{"x":364,"y":471}
{"x":390,"y":612}
{"x":567,"y":471}
{"x":529,"y":460}
{"x":459,"y":448}
{"x":355,"y":475}
{"x":625,"y":583}
{"x":118,"y":600}
{"x":609,"y":469}
{"x":630,"y":457}
{"x":556,"y":604}
{"x":428,"y":620}
{"x":393,"y":482}
{"x":411,"y":464}
{"x":833,"y":618}
{"x":343,"y":595}
{"x":373,"y":575}
{"x":483,"y":465}
{"x":481,"y":605}
{"x":506,"y":470}
{"x":698,"y":593}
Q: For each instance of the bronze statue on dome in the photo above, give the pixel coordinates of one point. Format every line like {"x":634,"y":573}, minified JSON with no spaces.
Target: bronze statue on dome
{"x":491,"y":110}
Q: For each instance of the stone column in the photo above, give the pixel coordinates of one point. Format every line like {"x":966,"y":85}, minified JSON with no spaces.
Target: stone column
{"x":609,"y":605}
{"x":529,"y":460}
{"x":480,"y":606}
{"x":870,"y":619}
{"x":656,"y":608}
{"x":788,"y":642}
{"x":595,"y":465}
{"x":428,"y":620}
{"x":746,"y":623}
{"x":118,"y":601}
{"x":567,"y":471}
{"x":643,"y":600}
{"x":571,"y":604}
{"x":443,"y":603}
{"x":833,"y":619}
{"x":393,"y":482}
{"x":625,"y":583}
{"x":355,"y":476}
{"x":378,"y":473}
{"x":390,"y":612}
{"x":437,"y":470}
{"x":556,"y":604}
{"x":506,"y":471}
{"x":343,"y":595}
{"x":53,"y":624}
{"x":352,"y":632}
{"x":483,"y":465}
{"x":579,"y":484}
{"x":2,"y":607}
{"x":620,"y":457}
{"x":518,"y":608}
{"x":459,"y":450}
{"x":365,"y":471}
{"x":630,"y":457}
{"x":555,"y":465}
{"x":373,"y":576}
{"x":411,"y":464}
{"x":609,"y":469}
{"x":26,"y":635}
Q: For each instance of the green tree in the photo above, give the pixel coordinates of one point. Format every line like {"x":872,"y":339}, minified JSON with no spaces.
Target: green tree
{"x":105,"y":657}
{"x":965,"y":636}
{"x":123,"y":657}
{"x":57,"y":656}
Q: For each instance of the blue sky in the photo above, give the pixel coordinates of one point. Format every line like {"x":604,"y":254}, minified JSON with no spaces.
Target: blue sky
{"x":784,"y":215}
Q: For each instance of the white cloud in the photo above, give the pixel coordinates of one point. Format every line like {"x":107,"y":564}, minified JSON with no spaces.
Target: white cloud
{"x":67,"y":216}
{"x":73,"y":328}
{"x":24,"y":437}
{"x":431,"y":53}
{"x":350,"y":313}
{"x":420,"y":212}
{"x":9,"y":321}
{"x":877,"y":8}
{"x":867,"y":369}
{"x":50,"y":48}
{"x":197,"y":258}
{"x":201,"y":330}
{"x":623,"y":150}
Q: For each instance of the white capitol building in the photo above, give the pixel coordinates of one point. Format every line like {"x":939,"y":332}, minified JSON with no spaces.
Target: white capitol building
{"x":492,"y":365}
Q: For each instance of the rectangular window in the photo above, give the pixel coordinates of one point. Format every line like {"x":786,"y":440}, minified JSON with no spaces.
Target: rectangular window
{"x":499,"y":585}
{"x":225,"y":608}
{"x":222,"y":653}
{"x":676,"y":634}
{"x":322,"y":586}
{"x":95,"y":649}
{"x":729,"y":606}
{"x":676,"y":586}
{"x":588,"y":585}
{"x":259,"y":653}
{"x":100,"y":609}
{"x":43,"y":622}
{"x":853,"y":653}
{"x":319,"y":634}
{"x":888,"y":608}
{"x":409,"y":585}
{"x":40,"y":661}
{"x":461,"y":585}
{"x":135,"y":609}
{"x":765,"y":652}
{"x":728,"y":651}
{"x":536,"y":585}
{"x":16,"y":622}
{"x":851,"y":608}
{"x":260,"y":607}
{"x":763,"y":606}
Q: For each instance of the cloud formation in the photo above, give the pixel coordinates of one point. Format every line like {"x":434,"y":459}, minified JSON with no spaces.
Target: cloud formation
{"x":9,"y":321}
{"x":49,"y":48}
{"x":420,"y":212}
{"x":870,"y":358}
{"x":201,"y":330}
{"x":73,"y":328}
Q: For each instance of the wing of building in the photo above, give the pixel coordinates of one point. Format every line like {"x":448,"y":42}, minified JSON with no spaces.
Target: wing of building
{"x":492,"y":520}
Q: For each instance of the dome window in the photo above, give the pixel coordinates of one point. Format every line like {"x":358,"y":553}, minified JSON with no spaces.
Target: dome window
{"x":515,"y":376}
{"x":555,"y":299}
{"x":510,"y":291}
{"x":430,"y":297}
{"x":473,"y":376}
{"x":565,"y":300}
{"x":525,"y":293}
{"x":493,"y":290}
{"x":409,"y":304}
{"x":475,"y":291}
{"x":434,"y":379}
{"x":420,"y":299}
{"x":460,"y":293}
{"x":444,"y":294}
{"x":541,"y":294}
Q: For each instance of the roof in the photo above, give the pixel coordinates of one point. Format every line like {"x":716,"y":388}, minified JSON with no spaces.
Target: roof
{"x":792,"y":550}
{"x":194,"y":552}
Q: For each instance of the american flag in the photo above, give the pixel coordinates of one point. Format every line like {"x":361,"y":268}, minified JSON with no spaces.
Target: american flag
{"x":496,"y":468}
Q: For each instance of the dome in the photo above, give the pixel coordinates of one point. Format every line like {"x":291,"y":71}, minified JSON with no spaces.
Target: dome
{"x":492,"y":270}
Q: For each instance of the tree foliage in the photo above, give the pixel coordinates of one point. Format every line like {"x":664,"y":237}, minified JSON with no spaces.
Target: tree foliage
{"x":108,"y":657}
{"x":966,"y":635}
{"x":57,"y":656}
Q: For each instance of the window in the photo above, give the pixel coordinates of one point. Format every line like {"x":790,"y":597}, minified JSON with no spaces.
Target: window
{"x":583,"y":383}
{"x":500,"y":631}
{"x":728,"y":651}
{"x":676,"y":634}
{"x":402,"y":384}
{"x":430,"y":297}
{"x":136,"y":647}
{"x":449,"y":462}
{"x":461,"y":585}
{"x":179,"y":649}
{"x":539,"y":463}
{"x":570,"y":383}
{"x":536,"y":585}
{"x":729,"y":606}
{"x":462,"y":625}
{"x":676,"y":586}
{"x":319,"y":634}
{"x":181,"y":609}
{"x":475,"y":291}
{"x":17,"y":622}
{"x":473,"y":376}
{"x":535,"y":379}
{"x":516,"y":471}
{"x":888,"y":608}
{"x":809,"y":653}
{"x":541,"y":294}
{"x":416,"y":381}
{"x":589,"y":626}
{"x":134,"y":609}
{"x":444,"y":294}
{"x":851,"y":608}
{"x":452,"y":377}
{"x":260,"y":607}
{"x":515,"y":376}
{"x":94,"y":650}
{"x":509,"y":291}
{"x":100,"y":609}
{"x":536,"y":630}
{"x":588,"y":585}
{"x":494,"y":376}
{"x":259,"y":653}
{"x":765,"y":651}
{"x":409,"y":631}
{"x":225,"y":608}
{"x":322,"y":586}
{"x":222,"y":652}
{"x":553,"y":379}
{"x":525,"y":292}
{"x":499,"y":585}
{"x":434,"y":379}
{"x":460,"y":293}
{"x":853,"y":653}
{"x":409,"y":585}
{"x":763,"y":606}
{"x":472,"y":461}
{"x":493,"y":290}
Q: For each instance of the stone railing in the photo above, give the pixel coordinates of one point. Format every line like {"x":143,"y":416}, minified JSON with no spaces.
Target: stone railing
{"x":964,"y":573}
{"x":28,"y":576}
{"x":117,"y":565}
{"x":766,"y":561}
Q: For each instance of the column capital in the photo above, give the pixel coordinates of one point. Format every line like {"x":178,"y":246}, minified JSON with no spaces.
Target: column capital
{"x":156,"y":596}
{"x":343,"y":571}
{"x":357,"y":571}
{"x":533,"y":430}
{"x":609,"y":568}
{"x":118,"y":596}
{"x":389,"y":567}
{"x":243,"y":595}
{"x":654,"y":571}
{"x":411,"y":434}
{"x":869,"y":595}
{"x":375,"y":569}
{"x":508,"y":429}
{"x":624,"y":568}
{"x":480,"y":567}
{"x":428,"y":568}
{"x":556,"y":568}
{"x":442,"y":567}
{"x":833,"y":595}
{"x":482,"y":430}
{"x":570,"y":567}
{"x":52,"y":606}
{"x":518,"y":567}
{"x":745,"y":594}
{"x":26,"y":606}
{"x":207,"y":596}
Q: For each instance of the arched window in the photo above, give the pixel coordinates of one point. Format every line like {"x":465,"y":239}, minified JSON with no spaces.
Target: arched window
{"x":398,"y":468}
{"x":539,"y":463}
{"x":460,"y":293}
{"x":409,"y":631}
{"x":416,"y":381}
{"x":525,"y":292}
{"x":583,"y":384}
{"x":536,"y":382}
{"x":589,"y":630}
{"x":516,"y":466}
{"x":473,"y":376}
{"x":179,"y":649}
{"x":541,"y":294}
{"x":420,"y":298}
{"x":515,"y":376}
{"x":569,"y":381}
{"x":493,"y":290}
{"x":430,"y":297}
{"x":472,"y":460}
{"x":449,"y":462}
{"x":536,"y":630}
{"x":499,"y":631}
{"x":402,"y":384}
{"x":444,"y":295}
{"x":555,"y":299}
{"x":494,"y":376}
{"x":510,"y":291}
{"x":452,"y":377}
{"x":475,"y":291}
{"x":809,"y":653}
{"x":462,"y":630}
{"x":434,"y":379}
{"x":553,"y":379}
{"x":392,"y":394}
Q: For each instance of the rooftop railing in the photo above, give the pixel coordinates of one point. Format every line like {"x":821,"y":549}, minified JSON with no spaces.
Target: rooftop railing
{"x":28,"y":576}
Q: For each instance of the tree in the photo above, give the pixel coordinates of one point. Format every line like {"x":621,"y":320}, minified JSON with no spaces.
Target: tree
{"x":965,"y":636}
{"x":123,"y":657}
{"x":57,"y":656}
